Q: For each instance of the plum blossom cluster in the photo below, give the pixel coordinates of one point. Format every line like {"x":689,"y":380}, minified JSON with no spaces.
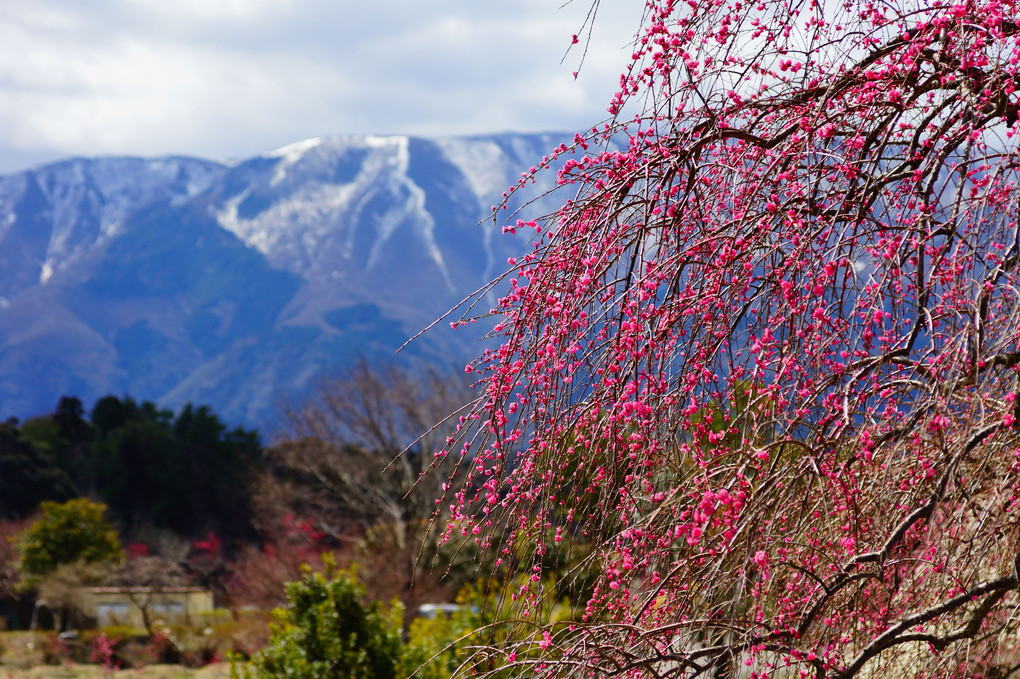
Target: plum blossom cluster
{"x":761,"y":368}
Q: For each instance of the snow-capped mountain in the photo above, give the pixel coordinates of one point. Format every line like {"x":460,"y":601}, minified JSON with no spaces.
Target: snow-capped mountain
{"x":180,"y":279}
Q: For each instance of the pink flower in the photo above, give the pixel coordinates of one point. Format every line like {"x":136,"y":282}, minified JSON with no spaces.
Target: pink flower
{"x":546,"y":641}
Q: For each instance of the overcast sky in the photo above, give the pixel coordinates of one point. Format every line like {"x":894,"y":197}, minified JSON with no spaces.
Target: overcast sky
{"x":228,"y":79}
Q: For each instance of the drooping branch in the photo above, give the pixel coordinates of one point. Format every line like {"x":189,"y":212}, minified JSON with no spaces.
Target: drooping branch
{"x":993,"y":592}
{"x":762,"y":361}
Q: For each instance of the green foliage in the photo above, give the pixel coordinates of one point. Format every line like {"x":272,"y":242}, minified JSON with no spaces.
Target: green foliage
{"x":439,"y":647}
{"x":436,"y":647}
{"x":74,"y":531}
{"x":186,"y":473}
{"x":326,"y":632}
{"x":27,"y":475}
{"x":43,"y":434}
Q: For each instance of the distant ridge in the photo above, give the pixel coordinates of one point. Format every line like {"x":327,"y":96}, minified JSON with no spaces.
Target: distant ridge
{"x":179,"y":279}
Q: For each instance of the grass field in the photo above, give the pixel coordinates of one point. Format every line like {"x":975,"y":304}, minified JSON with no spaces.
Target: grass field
{"x":215,"y":671}
{"x":22,"y":657}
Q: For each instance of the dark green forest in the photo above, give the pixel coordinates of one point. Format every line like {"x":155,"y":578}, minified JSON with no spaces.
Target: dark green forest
{"x":187,"y":473}
{"x":345,"y":473}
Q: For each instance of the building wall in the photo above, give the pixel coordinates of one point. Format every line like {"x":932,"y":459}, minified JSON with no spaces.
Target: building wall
{"x":123,"y":606}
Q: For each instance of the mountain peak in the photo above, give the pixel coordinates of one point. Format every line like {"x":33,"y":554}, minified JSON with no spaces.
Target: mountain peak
{"x":179,"y":279}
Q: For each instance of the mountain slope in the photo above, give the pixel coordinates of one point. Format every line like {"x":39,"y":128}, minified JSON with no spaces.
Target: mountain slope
{"x":179,"y":279}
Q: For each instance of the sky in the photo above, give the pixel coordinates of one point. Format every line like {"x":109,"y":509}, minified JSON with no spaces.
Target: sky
{"x":228,"y":79}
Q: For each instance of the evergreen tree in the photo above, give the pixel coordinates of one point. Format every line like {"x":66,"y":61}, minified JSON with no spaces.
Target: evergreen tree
{"x":27,"y":477}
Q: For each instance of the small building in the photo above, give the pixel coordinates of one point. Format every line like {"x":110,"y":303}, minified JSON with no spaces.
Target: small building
{"x":432,"y":610}
{"x":124,"y":605}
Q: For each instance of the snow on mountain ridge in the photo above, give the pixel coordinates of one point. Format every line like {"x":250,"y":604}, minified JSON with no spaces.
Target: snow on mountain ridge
{"x":414,"y":212}
{"x":304,"y":202}
{"x":177,"y":279}
{"x":295,"y":150}
{"x":483,"y":164}
{"x":12,"y":188}
{"x":331,"y":189}
{"x":486,"y":169}
{"x":112,"y":189}
{"x":289,"y":155}
{"x":78,"y":204}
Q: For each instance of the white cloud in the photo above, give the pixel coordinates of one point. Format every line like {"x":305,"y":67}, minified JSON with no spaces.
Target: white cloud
{"x":198,"y":11}
{"x":230,"y":78}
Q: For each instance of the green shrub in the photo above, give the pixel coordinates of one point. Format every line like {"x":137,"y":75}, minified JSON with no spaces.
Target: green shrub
{"x":443,"y":645}
{"x":75,"y":532}
{"x":326,"y":632}
{"x":437,"y":646}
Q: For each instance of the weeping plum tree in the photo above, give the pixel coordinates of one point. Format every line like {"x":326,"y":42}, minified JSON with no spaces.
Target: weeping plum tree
{"x":764,"y":361}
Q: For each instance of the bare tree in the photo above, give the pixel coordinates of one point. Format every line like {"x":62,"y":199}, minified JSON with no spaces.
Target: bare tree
{"x":367,"y":460}
{"x":144,"y":579}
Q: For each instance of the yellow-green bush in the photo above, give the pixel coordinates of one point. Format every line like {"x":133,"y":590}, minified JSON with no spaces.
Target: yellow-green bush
{"x":326,"y":632}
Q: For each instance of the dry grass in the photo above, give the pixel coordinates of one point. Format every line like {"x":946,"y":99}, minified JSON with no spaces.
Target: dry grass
{"x":215,"y":671}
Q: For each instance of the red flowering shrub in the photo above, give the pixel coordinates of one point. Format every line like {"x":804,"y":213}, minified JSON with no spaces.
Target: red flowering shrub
{"x":765,"y":360}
